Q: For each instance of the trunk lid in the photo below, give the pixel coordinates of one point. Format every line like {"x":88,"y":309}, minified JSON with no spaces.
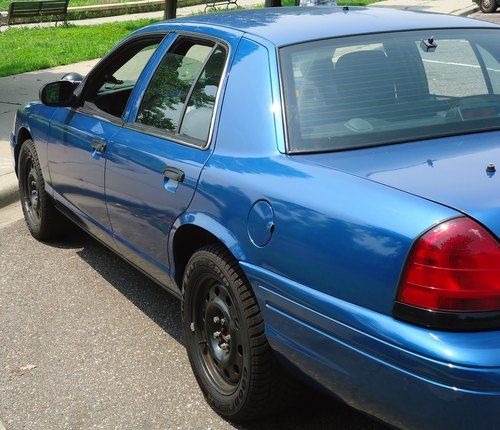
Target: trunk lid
{"x":451,"y":171}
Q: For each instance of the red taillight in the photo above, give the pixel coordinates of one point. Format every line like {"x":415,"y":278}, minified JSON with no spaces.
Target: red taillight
{"x":455,"y":267}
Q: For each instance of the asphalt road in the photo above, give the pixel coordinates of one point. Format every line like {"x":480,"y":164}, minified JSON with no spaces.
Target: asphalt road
{"x":492,"y":17}
{"x":86,"y":342}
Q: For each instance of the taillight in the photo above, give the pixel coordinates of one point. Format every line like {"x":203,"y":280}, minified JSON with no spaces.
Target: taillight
{"x":452,"y":278}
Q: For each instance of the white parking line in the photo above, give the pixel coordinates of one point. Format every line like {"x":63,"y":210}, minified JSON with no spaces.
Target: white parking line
{"x":2,"y":427}
{"x":474,"y":66}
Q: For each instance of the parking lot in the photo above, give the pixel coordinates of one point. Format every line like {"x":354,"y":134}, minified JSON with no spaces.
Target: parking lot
{"x":491,"y":17}
{"x":89,"y":342}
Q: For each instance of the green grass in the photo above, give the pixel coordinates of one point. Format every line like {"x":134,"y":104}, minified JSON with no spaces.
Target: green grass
{"x":27,"y":49}
{"x":339,"y":2}
{"x":4,"y":4}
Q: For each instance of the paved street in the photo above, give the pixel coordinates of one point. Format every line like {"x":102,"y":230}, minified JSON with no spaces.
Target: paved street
{"x":491,"y":17}
{"x":89,"y":342}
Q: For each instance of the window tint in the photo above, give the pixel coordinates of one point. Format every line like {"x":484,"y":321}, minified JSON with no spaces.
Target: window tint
{"x":109,"y":88}
{"x":198,"y":116}
{"x":371,"y":90}
{"x":454,"y":71}
{"x":492,"y":67}
{"x":131,"y":70}
{"x":165,"y":97}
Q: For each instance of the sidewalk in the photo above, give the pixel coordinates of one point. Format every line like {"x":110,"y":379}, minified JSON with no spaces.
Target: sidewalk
{"x":182,"y":11}
{"x":454,"y":7}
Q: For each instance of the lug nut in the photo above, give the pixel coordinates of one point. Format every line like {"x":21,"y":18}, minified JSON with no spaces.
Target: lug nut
{"x":224,"y":347}
{"x":216,"y":320}
{"x":216,"y":334}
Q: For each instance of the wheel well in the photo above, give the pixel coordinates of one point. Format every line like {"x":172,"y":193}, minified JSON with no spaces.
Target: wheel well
{"x":187,"y":240}
{"x":23,"y":135}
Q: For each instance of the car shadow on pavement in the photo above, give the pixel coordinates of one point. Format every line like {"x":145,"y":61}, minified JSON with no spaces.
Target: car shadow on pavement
{"x":313,"y":411}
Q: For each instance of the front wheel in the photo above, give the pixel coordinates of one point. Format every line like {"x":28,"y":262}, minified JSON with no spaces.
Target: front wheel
{"x":227,"y":347}
{"x":42,"y":218}
{"x":488,"y":6}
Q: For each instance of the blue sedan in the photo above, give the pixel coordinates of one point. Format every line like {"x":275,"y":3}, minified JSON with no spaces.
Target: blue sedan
{"x":318,"y":185}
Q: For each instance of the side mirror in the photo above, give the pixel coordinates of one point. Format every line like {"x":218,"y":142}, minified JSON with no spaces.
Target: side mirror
{"x":58,"y":94}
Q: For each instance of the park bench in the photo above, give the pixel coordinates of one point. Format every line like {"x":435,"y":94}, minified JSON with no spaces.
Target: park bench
{"x":213,"y":4}
{"x":57,"y":9}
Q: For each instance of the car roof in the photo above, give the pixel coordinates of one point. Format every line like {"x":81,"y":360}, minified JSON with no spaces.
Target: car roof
{"x":289,"y":25}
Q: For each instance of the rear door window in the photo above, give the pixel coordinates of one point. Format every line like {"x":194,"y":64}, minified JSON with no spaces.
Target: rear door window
{"x":181,"y":95}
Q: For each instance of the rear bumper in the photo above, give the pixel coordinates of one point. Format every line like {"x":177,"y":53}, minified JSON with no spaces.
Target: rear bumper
{"x":408,"y":376}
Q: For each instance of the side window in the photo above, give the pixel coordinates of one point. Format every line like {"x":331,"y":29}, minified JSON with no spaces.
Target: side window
{"x":453,"y":70}
{"x":111,"y":85}
{"x":165,"y":98}
{"x":200,"y":107}
{"x":492,"y":68}
{"x":129,"y":73}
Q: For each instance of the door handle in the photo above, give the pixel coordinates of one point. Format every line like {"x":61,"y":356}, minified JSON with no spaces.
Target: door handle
{"x":174,"y":174}
{"x":98,"y":145}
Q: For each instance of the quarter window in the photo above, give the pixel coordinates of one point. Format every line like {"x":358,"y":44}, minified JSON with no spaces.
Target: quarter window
{"x":181,"y":95}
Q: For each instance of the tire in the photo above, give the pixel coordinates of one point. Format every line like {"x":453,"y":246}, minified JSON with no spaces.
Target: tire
{"x":43,"y":220}
{"x":239,"y":376}
{"x":488,"y":6}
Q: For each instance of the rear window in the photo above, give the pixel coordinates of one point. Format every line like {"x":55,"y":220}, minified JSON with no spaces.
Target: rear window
{"x":372,"y":90}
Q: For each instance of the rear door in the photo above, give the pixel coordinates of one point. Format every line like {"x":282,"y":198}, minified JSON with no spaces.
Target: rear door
{"x":155,"y":161}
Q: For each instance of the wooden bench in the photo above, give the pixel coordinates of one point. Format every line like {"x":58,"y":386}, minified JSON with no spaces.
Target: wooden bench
{"x":213,"y":4}
{"x":38,"y":9}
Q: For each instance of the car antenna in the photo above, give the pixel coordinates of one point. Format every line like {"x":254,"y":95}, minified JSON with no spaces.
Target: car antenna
{"x":428,"y":45}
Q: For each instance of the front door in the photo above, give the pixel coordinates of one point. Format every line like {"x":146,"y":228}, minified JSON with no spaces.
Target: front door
{"x":155,"y":161}
{"x":80,"y":137}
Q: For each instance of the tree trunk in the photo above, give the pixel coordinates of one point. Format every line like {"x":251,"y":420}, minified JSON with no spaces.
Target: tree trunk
{"x":170,"y":9}
{"x":272,"y":3}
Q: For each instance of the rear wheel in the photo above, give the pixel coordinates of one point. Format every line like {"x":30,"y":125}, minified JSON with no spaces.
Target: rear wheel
{"x":488,"y":6}
{"x":42,"y":219}
{"x":224,"y":330}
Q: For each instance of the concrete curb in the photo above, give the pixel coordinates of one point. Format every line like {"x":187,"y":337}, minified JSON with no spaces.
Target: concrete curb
{"x":467,"y":11}
{"x":9,"y":190}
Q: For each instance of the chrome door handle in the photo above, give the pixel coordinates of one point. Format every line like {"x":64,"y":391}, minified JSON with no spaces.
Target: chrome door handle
{"x":98,"y":145}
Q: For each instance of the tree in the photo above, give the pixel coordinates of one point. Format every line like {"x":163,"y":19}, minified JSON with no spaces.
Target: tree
{"x":272,"y":3}
{"x":170,"y":9}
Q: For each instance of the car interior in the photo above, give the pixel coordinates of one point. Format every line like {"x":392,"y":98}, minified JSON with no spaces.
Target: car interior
{"x":109,"y":87}
{"x":344,"y":93}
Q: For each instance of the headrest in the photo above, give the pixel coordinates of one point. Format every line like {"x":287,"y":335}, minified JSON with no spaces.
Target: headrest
{"x":365,"y":75}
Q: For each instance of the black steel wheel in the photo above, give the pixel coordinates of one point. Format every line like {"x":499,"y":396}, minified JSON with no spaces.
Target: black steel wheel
{"x":218,"y":335}
{"x":42,"y":219}
{"x":227,"y":347}
{"x":488,"y":6}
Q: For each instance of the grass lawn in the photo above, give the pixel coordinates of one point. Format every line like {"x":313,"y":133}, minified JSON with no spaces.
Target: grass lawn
{"x":26,"y":49}
{"x":4,"y":4}
{"x":339,"y":2}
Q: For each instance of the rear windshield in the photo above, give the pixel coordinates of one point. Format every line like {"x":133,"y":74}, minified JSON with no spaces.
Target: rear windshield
{"x":372,"y":90}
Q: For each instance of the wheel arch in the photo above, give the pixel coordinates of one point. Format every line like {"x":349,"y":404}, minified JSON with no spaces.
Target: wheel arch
{"x":191,"y":232}
{"x":23,"y":134}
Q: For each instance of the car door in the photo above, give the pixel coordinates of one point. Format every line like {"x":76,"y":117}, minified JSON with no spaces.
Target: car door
{"x":155,"y":161}
{"x":79,"y":136}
